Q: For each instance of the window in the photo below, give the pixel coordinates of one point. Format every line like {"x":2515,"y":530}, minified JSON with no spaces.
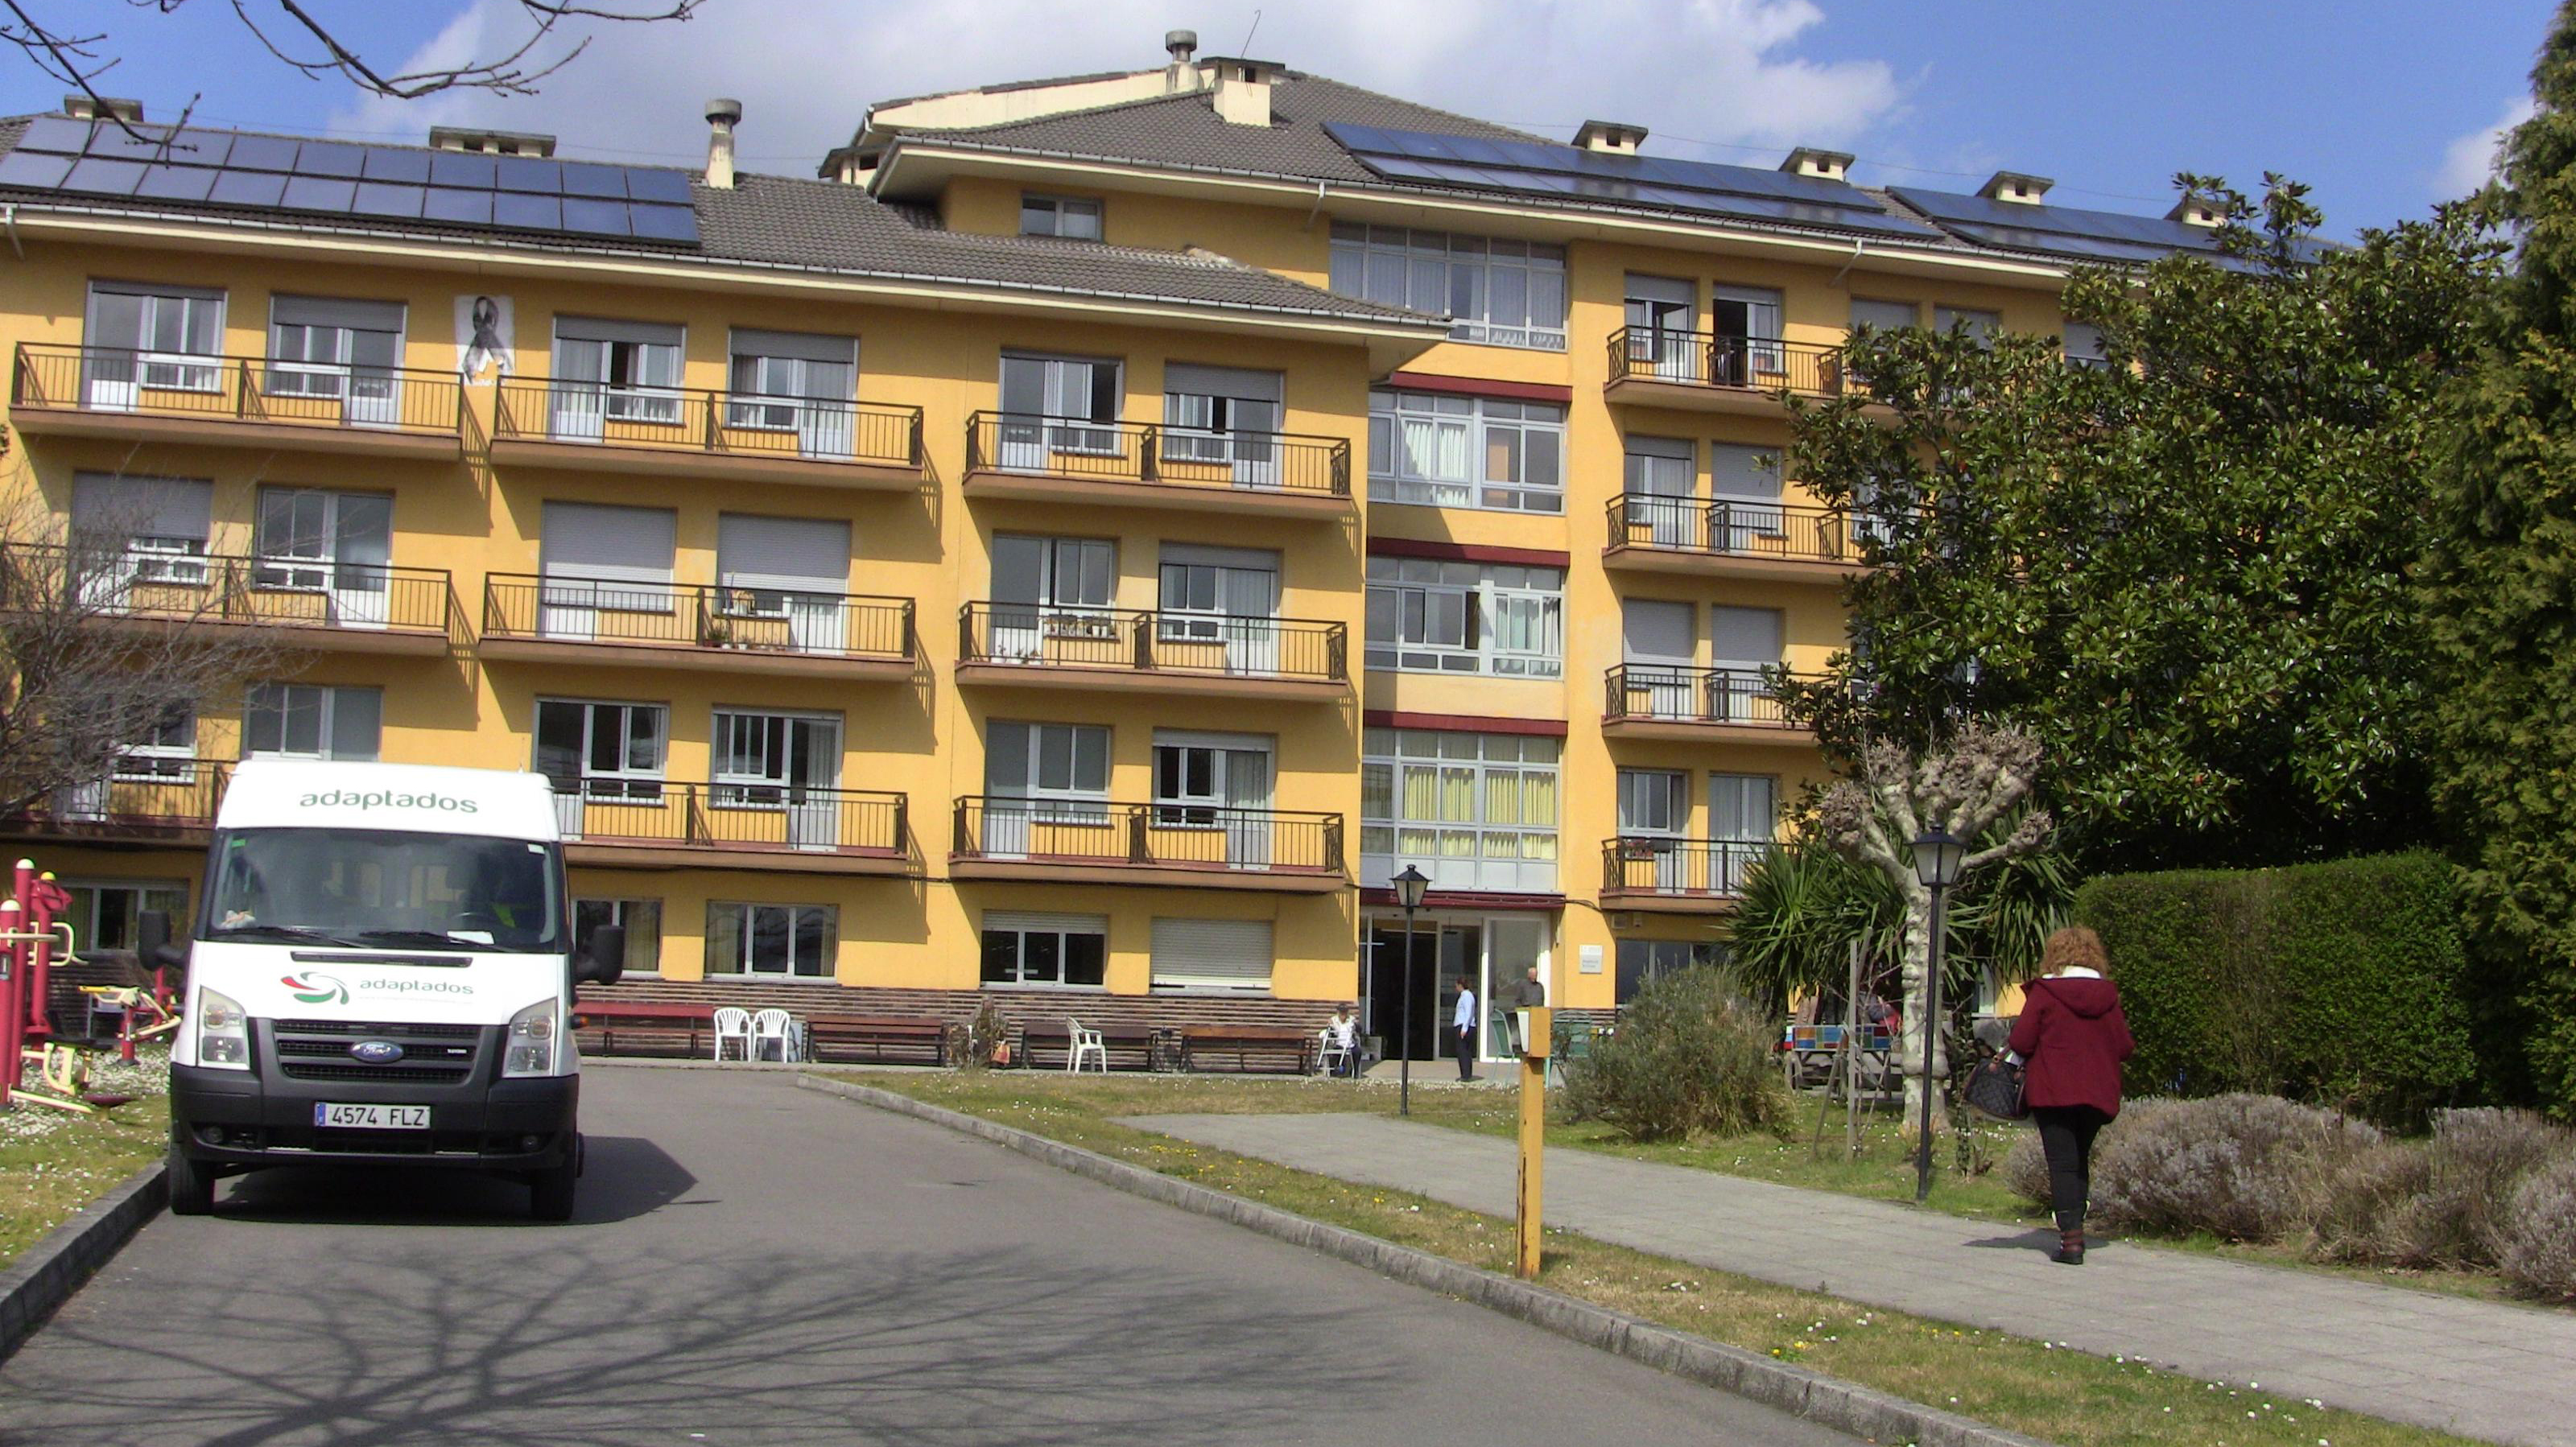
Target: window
{"x":602,"y":750}
{"x":158,"y":525}
{"x":331,"y":347}
{"x":335,"y":543}
{"x":1027,"y":948}
{"x":1066,"y":216}
{"x":103,"y":912}
{"x":613,"y":371}
{"x":2084,"y":346}
{"x":1426,"y":615}
{"x":1473,"y":811}
{"x":1747,"y":323}
{"x":1502,"y":293}
{"x":1654,"y":801}
{"x":640,"y":918}
{"x":1223,"y":417}
{"x":791,"y":940}
{"x":1643,"y":960}
{"x":166,"y":752}
{"x":791,"y":574}
{"x":1981,"y":325}
{"x":1884,"y":315}
{"x":146,"y":336}
{"x":601,"y":562}
{"x":1051,"y":598}
{"x":1061,"y":769}
{"x":1221,"y":595}
{"x":1478,"y":452}
{"x":1743,"y":820}
{"x":1058,"y":391}
{"x":307,"y":721}
{"x":1212,"y":954}
{"x":1202,"y":780}
{"x":792,"y":382}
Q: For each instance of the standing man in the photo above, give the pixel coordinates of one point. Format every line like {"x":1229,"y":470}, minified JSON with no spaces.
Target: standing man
{"x":1465,"y":1020}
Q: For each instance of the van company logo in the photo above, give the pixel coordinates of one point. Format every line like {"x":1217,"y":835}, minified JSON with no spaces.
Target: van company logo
{"x":315,"y":988}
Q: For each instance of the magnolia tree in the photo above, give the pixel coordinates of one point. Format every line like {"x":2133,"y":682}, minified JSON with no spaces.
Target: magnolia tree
{"x":1962,"y":785}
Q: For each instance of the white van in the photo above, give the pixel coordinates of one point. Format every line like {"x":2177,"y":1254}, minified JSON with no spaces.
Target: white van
{"x":380,"y":974}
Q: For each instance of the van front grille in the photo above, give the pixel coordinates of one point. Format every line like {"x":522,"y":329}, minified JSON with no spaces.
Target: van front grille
{"x":398,"y":1074}
{"x":432,"y":1054}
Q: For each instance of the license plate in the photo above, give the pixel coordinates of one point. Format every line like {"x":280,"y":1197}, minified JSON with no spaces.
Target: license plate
{"x":371,"y":1117}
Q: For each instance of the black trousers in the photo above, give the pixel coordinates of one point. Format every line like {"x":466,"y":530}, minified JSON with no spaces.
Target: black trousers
{"x":1467,"y":1053}
{"x":2066,"y":1137}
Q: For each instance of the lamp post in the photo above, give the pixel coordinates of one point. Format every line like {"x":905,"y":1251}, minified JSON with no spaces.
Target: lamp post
{"x":1408,"y":892}
{"x":1937,"y":855}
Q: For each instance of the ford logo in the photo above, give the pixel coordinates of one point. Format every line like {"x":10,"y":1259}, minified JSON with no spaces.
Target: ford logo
{"x":377,"y":1052}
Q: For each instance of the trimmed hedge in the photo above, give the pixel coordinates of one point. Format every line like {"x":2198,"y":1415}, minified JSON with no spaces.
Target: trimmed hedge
{"x":2342,"y":983}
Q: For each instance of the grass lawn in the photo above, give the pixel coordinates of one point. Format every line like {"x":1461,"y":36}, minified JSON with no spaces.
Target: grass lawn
{"x":53,"y":1163}
{"x":2063,"y":1396}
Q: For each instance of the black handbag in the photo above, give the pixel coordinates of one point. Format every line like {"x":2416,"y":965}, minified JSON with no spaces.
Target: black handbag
{"x":1994,"y":1088}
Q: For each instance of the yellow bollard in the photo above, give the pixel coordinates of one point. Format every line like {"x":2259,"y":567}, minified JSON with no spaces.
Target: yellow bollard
{"x":1538,"y":1039}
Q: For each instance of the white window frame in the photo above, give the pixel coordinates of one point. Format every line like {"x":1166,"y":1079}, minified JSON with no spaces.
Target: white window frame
{"x":86,"y":893}
{"x":1069,"y":803}
{"x":326,"y":707}
{"x":1057,"y":210}
{"x":1412,"y":436}
{"x":746,"y":928}
{"x":1022,"y":925}
{"x":652,"y":402}
{"x":166,"y":755}
{"x":339,"y":374}
{"x":619,"y":910}
{"x":161,"y":370}
{"x":1442,"y":845}
{"x":1984,"y":324}
{"x":1495,"y":601}
{"x":1469,"y":279}
{"x":626,"y":782}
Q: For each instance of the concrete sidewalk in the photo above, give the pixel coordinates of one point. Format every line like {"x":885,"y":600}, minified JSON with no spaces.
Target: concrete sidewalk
{"x":2481,"y":1369}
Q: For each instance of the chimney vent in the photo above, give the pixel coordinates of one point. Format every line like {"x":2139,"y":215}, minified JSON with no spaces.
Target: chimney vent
{"x":722,"y":113}
{"x":490,"y":143}
{"x":1610,"y":138}
{"x":2195,"y":209}
{"x":81,"y":107}
{"x":2015,"y":187}
{"x":1180,"y":76}
{"x":1819,"y":164}
{"x":1243,"y":88}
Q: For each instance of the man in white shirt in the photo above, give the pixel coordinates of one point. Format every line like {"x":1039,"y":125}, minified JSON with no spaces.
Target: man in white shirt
{"x":1466,"y":1023}
{"x":1345,"y":1030}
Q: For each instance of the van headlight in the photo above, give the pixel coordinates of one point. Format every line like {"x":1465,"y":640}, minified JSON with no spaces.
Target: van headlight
{"x":529,"y":1047}
{"x":223,"y":1031}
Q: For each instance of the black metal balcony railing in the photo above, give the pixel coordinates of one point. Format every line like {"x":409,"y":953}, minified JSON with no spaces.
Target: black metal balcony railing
{"x":686,"y":419}
{"x":237,"y":389}
{"x":1054,"y":635}
{"x":1278,"y":462}
{"x":1655,"y":865}
{"x":158,"y":793}
{"x":214,"y":588}
{"x":697,"y":615}
{"x":773,"y":817}
{"x":1180,"y":835}
{"x":1736,"y":527}
{"x":1671,"y":693}
{"x":1703,"y":359}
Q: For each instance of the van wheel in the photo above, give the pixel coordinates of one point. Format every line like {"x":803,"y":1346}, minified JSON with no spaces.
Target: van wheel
{"x":550,"y":1191}
{"x":192,"y":1185}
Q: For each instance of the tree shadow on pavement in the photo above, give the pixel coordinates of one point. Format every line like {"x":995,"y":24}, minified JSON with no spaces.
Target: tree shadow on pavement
{"x":624,"y":1177}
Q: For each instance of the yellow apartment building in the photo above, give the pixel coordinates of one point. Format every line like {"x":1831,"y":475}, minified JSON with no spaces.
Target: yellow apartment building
{"x":1070,"y":552}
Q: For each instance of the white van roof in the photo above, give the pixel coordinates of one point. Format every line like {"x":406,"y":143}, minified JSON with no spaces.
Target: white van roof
{"x":420,"y":798}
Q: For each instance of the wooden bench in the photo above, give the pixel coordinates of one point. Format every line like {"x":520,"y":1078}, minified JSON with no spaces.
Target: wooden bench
{"x":919,"y":1038}
{"x":1203,"y":1045}
{"x":646,"y":1027}
{"x":1130,"y":1046}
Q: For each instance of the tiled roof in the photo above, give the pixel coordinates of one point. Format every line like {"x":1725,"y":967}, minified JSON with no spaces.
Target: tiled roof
{"x":827,"y":228}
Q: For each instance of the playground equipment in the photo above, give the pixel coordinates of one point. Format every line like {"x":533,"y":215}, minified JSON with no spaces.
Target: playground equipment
{"x":33,"y":939}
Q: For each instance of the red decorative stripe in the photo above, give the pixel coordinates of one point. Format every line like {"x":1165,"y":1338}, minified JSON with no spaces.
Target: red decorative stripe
{"x":1466,"y":552}
{"x":1545,"y":728}
{"x":1467,"y":899}
{"x":1480,"y":387}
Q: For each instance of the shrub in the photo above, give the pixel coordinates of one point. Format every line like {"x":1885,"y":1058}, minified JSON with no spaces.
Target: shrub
{"x":2373,"y":1205}
{"x":2341,"y":983}
{"x":2025,"y":1168}
{"x":1690,"y":1054}
{"x":2476,"y":1159}
{"x":2246,"y":1167}
{"x":2537,"y":1241}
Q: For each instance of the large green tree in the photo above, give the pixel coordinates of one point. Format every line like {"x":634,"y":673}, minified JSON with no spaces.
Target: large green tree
{"x":2182,"y":569}
{"x":2500,"y":586}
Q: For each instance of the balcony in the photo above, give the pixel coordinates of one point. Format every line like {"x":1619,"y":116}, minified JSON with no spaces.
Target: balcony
{"x":1724,"y":705}
{"x":315,"y":602}
{"x":1034,"y":645}
{"x":1093,"y":841}
{"x":647,"y":824}
{"x":621,"y":624}
{"x":683,"y":432}
{"x":133,"y":396}
{"x":1675,"y":876}
{"x":1702,"y":372}
{"x":1055,"y":459}
{"x":149,"y":801}
{"x":1732,"y":538}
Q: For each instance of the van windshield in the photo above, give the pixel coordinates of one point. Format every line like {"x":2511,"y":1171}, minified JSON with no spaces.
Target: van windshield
{"x":384,"y":889}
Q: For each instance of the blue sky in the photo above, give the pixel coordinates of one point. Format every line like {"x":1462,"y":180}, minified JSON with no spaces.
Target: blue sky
{"x":2381,"y":106}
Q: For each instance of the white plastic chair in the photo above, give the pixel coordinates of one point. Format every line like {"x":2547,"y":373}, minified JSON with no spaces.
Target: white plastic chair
{"x":1330,"y":1053}
{"x":733,"y":1023}
{"x":1081,"y":1044}
{"x":774,"y":1024}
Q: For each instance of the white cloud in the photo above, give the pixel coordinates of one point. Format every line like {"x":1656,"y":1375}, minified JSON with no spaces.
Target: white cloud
{"x":805,"y":70}
{"x":2468,"y":161}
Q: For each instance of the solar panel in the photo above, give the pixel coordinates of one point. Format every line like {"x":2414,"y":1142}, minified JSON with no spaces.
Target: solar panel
{"x":2060,"y":230}
{"x":519,"y":193}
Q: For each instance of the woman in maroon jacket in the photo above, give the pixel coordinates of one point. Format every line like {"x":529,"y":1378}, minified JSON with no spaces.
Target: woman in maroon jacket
{"x":2073,"y":1037}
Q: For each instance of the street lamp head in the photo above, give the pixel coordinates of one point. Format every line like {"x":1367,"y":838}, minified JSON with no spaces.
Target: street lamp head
{"x":1409,"y":886}
{"x":1937,"y":856}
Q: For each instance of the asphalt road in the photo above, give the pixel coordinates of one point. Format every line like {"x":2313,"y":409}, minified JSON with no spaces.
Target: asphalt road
{"x":754,"y":1263}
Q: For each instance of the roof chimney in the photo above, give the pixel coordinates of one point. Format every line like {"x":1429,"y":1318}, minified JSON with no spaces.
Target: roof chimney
{"x":1610,"y":138}
{"x":1243,"y":89}
{"x":2195,"y":209}
{"x":84,"y":107}
{"x":721,"y":116}
{"x":2015,"y":187}
{"x":490,"y":143}
{"x":1821,"y":165}
{"x":1180,"y":76}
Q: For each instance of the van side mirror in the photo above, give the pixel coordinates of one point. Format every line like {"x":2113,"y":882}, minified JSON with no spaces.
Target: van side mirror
{"x":605,"y":961}
{"x":152,"y":941}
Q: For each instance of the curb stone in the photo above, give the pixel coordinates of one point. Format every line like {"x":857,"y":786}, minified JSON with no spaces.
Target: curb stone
{"x":1844,"y":1406}
{"x":47,"y":1273}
